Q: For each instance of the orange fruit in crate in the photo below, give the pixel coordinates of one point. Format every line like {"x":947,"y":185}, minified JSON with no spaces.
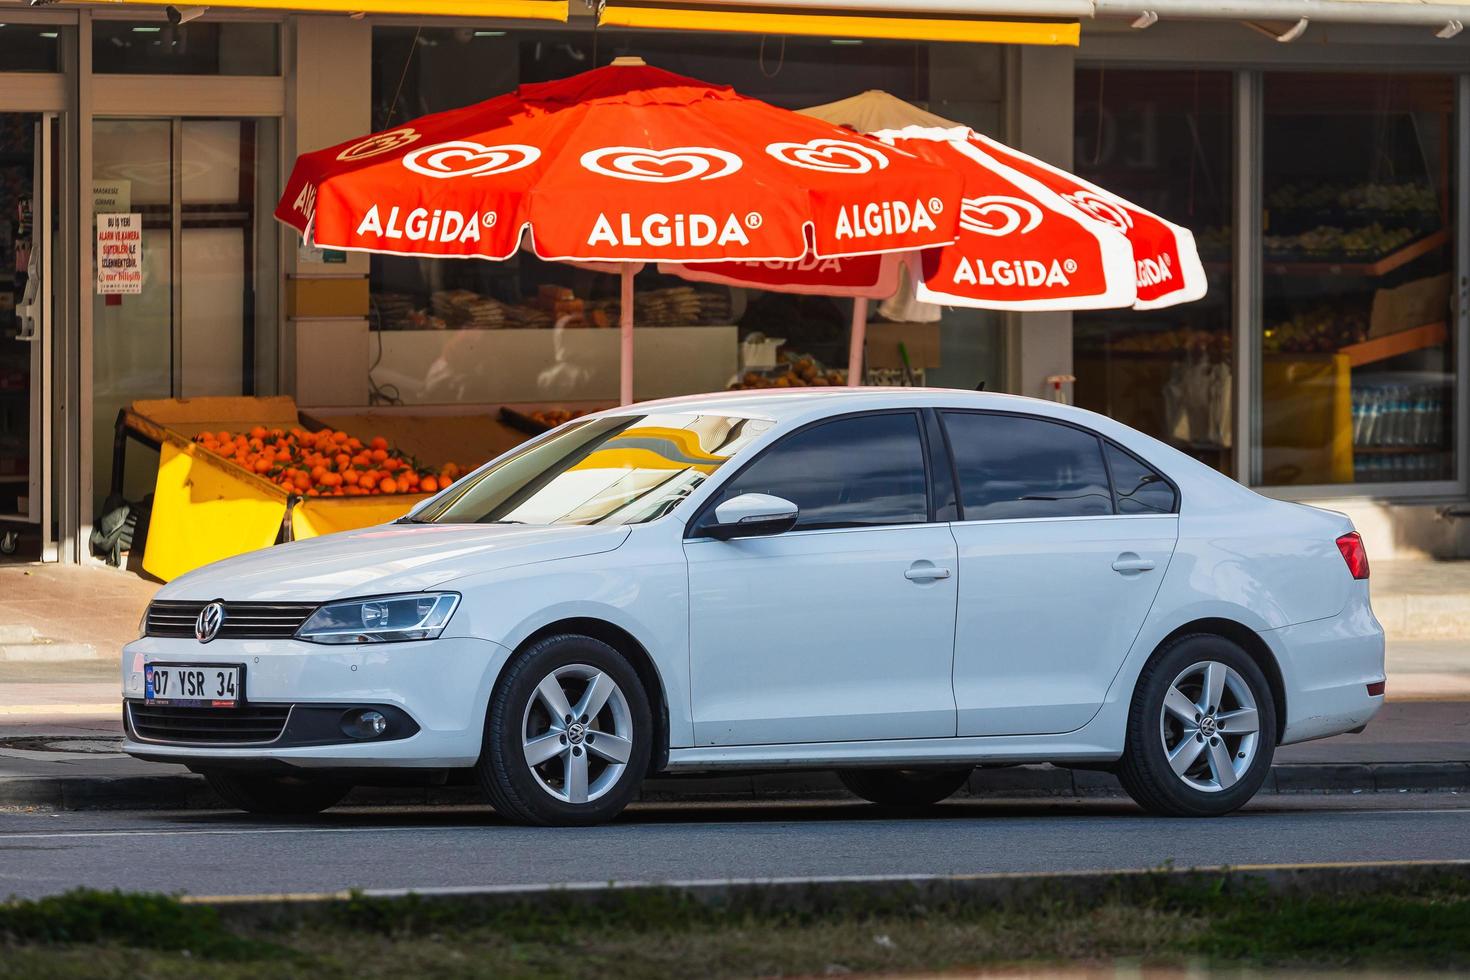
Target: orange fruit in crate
{"x":429,"y":485}
{"x":388,"y":485}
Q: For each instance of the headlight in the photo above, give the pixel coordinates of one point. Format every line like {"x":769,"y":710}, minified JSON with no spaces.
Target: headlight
{"x":385,"y":619}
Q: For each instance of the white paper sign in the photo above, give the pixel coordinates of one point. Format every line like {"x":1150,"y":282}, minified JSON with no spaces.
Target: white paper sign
{"x":112,"y":196}
{"x":119,"y":253}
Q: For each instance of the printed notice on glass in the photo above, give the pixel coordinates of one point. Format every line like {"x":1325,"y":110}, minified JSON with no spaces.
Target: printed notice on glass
{"x":119,"y":253}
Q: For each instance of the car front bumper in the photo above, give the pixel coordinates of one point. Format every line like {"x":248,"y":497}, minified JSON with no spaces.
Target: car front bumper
{"x":442,"y":685}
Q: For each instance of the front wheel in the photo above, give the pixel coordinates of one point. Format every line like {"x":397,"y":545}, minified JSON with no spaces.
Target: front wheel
{"x":568,"y":734}
{"x":904,"y":787}
{"x":1201,"y":730}
{"x":276,"y":796}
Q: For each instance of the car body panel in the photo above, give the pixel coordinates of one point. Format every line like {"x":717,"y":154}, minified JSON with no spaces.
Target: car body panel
{"x":383,"y":560}
{"x":1030,"y":658}
{"x":815,"y":636}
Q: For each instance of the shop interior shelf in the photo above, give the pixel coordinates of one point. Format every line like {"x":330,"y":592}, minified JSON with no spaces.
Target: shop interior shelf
{"x":1378,"y":267}
{"x":1390,"y":450}
{"x":1394,"y":344}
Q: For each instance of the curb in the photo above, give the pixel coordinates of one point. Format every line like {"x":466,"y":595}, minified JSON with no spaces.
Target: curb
{"x":826,"y":894}
{"x":188,"y":791}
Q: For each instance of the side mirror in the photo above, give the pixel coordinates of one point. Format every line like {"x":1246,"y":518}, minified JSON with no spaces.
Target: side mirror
{"x":752,"y":515}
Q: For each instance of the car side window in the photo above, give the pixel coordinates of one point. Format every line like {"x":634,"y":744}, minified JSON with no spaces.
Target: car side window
{"x":858,"y":471}
{"x":1013,"y":466}
{"x":1138,"y":488}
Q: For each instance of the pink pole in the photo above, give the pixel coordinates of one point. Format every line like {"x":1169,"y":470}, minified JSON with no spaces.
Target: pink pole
{"x":625,"y":328}
{"x":859,"y":338}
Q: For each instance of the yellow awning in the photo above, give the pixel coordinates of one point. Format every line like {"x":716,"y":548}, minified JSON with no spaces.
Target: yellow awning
{"x":522,"y":9}
{"x":839,"y":25}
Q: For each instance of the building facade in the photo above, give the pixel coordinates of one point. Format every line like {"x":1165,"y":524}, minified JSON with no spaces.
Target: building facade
{"x":1325,"y":178}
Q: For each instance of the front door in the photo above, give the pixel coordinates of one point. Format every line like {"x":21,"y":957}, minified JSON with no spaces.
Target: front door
{"x":842,"y":628}
{"x":26,"y":141}
{"x":1063,"y":542}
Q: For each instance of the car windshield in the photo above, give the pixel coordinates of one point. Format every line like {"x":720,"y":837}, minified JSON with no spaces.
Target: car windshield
{"x":622,"y":469}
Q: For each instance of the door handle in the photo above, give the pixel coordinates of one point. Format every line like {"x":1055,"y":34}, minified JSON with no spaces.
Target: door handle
{"x":1134,"y":564}
{"x":926,"y":573}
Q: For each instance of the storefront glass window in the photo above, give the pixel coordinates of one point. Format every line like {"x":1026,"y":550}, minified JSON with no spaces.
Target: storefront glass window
{"x":479,"y":332}
{"x":202,"y":317}
{"x":1357,"y":366}
{"x":156,"y":47}
{"x":29,"y":47}
{"x":1164,"y":140}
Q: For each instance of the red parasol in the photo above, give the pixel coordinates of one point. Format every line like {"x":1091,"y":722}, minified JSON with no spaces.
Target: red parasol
{"x":1031,"y":236}
{"x":626,"y":164}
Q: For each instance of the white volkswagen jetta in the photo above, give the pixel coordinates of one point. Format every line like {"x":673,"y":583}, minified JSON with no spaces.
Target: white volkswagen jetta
{"x":899,"y":584}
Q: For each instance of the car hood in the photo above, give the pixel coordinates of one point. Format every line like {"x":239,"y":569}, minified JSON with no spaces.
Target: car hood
{"x":387,"y":559}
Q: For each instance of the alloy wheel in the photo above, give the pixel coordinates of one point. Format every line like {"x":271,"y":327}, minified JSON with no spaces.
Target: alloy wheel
{"x":1210,"y":726}
{"x":577,"y":733}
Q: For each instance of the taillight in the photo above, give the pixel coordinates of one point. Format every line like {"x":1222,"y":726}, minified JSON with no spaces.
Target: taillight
{"x":1353,"y":552}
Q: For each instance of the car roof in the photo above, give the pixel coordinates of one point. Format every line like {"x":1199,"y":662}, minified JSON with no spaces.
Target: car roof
{"x":786,"y":404}
{"x":792,"y":407}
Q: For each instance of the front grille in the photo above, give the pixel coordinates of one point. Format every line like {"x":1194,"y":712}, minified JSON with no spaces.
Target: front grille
{"x":246,"y":725}
{"x":243,"y":620}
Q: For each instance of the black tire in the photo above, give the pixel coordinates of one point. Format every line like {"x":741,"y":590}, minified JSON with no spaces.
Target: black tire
{"x":275,"y":796}
{"x":904,"y":787}
{"x":1145,"y":770}
{"x":524,"y":796}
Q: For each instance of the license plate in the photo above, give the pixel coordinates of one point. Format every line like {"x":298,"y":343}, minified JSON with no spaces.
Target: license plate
{"x":196,"y":685}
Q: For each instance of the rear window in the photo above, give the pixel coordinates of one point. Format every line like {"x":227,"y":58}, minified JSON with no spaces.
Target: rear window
{"x":1013,"y":466}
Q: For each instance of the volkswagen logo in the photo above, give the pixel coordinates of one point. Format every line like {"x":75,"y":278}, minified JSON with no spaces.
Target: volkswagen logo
{"x":211,"y":618}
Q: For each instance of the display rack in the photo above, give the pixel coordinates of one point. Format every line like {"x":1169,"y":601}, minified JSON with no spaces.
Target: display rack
{"x":1394,"y":344}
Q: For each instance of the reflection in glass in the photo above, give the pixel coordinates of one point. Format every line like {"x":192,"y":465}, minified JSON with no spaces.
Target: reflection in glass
{"x":1357,"y":377}
{"x":625,"y":469}
{"x":862,"y":471}
{"x":1012,"y":467}
{"x":1164,"y":140}
{"x":156,"y":47}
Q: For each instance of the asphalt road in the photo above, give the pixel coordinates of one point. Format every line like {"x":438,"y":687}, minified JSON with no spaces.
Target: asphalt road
{"x":221,"y":853}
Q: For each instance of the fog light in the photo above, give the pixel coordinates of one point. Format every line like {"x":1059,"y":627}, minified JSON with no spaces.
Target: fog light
{"x":364,"y":724}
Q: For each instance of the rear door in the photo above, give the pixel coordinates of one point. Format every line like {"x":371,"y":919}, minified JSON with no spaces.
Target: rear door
{"x":1059,"y":564}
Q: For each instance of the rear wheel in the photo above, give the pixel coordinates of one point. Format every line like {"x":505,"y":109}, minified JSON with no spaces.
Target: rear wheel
{"x":275,"y":795}
{"x":1201,"y":730}
{"x":904,"y":787}
{"x":568,"y":734}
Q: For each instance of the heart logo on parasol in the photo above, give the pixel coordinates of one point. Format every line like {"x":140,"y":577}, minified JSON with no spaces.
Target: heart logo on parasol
{"x":998,"y":216}
{"x":829,"y":155}
{"x":677,"y":163}
{"x":379,"y":143}
{"x":466,"y":158}
{"x":1102,"y":209}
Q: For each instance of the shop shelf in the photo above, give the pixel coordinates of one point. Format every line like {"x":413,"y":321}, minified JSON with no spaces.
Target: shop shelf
{"x":1394,"y":344}
{"x":1348,"y":267}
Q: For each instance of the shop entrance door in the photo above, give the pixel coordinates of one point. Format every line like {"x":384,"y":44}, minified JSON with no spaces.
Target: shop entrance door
{"x":26,"y":225}
{"x":199,"y":316}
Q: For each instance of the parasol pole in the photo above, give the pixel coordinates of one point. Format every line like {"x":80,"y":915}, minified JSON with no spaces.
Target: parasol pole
{"x":859,"y":338}
{"x":625,"y":330}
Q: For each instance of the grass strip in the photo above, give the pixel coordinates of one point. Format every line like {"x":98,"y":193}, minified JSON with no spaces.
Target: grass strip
{"x":1224,"y":920}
